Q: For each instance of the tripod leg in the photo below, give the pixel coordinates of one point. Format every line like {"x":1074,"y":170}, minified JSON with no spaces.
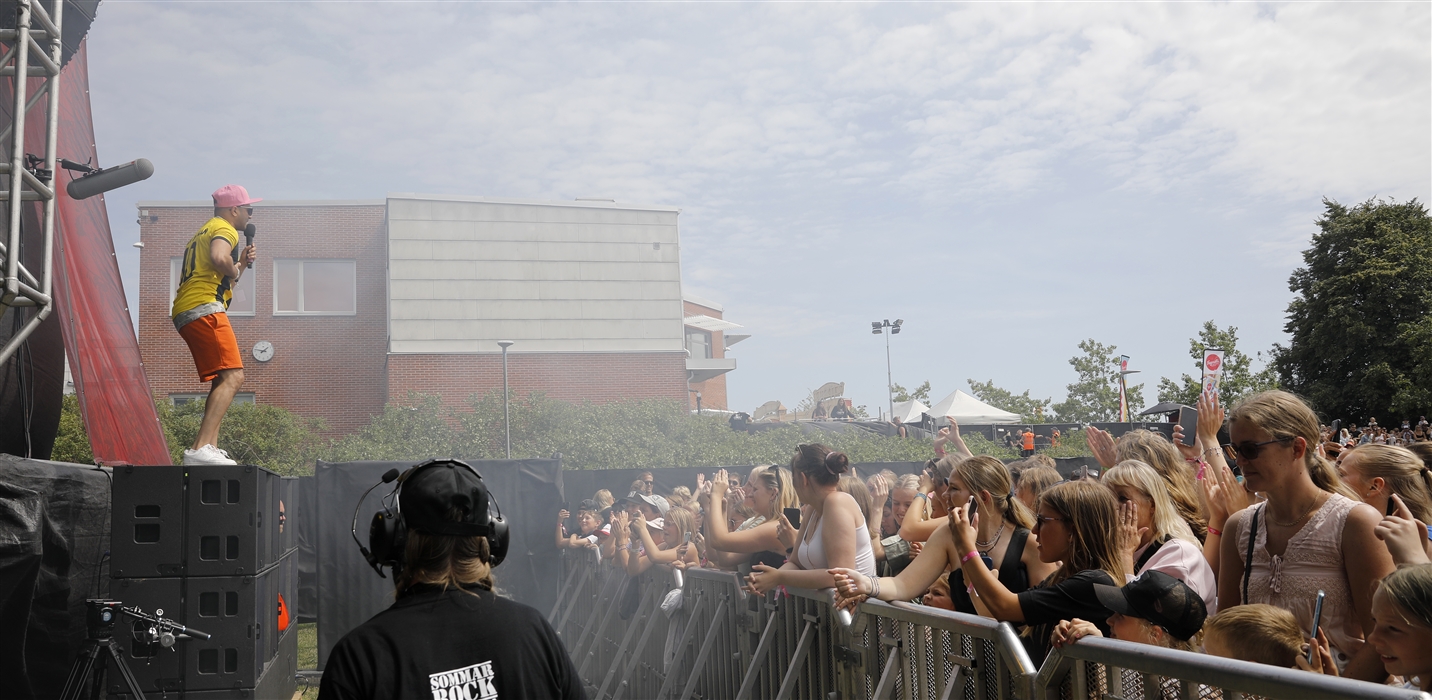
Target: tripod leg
{"x":80,"y":671}
{"x":124,"y":671}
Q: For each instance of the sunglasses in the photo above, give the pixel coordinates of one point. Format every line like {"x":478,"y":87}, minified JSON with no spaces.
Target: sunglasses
{"x":1040,"y":520}
{"x":1250,"y":450}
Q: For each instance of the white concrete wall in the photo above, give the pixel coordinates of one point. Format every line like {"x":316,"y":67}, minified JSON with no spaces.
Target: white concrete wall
{"x":465,"y":272}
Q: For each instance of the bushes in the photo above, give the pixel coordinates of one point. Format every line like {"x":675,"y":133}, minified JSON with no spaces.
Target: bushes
{"x":626,"y":434}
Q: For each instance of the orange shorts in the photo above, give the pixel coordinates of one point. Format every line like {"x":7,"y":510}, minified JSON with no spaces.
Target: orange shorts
{"x":212,"y":343}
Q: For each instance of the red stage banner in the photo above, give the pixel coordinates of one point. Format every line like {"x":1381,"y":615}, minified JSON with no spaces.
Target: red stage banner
{"x":113,"y":391}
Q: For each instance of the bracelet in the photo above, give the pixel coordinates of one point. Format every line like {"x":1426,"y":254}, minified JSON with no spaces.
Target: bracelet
{"x":922,"y":495}
{"x":970,"y":589}
{"x":967,"y":557}
{"x":875,"y":587}
{"x":1215,"y":448}
{"x":1214,"y":531}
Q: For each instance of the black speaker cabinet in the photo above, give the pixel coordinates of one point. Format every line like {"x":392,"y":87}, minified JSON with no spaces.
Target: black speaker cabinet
{"x":287,"y":505}
{"x":208,"y":520}
{"x":241,"y":613}
{"x":232,"y":511}
{"x":147,"y":522}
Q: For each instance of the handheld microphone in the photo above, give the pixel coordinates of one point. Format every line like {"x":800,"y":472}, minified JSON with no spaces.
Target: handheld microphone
{"x":108,"y":179}
{"x":249,"y":235}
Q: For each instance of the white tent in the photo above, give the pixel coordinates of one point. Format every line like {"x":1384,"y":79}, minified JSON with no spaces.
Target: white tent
{"x":909,"y":411}
{"x":970,"y":410}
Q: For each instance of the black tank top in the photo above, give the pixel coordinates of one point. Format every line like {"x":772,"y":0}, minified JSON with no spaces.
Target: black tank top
{"x":1012,"y":574}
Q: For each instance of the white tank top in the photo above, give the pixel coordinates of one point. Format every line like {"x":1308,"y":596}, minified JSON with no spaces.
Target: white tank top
{"x":811,"y":555}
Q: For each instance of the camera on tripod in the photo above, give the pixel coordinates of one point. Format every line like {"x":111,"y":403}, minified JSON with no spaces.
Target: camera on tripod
{"x":101,"y":616}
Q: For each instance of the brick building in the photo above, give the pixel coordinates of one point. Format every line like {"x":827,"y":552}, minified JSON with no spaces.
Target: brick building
{"x":356,"y":303}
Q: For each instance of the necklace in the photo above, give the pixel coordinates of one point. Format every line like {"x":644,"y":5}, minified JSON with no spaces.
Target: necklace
{"x":1299,"y":519}
{"x":987,"y":546}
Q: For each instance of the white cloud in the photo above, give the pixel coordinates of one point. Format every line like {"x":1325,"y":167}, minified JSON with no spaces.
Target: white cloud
{"x":829,"y":159}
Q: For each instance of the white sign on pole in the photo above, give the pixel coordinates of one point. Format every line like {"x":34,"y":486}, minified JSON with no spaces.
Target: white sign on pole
{"x":1212,"y":370}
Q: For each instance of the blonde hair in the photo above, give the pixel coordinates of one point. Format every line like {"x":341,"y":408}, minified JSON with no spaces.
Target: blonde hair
{"x":603,"y":498}
{"x":945,"y":466}
{"x":1403,"y":471}
{"x":1260,"y":633}
{"x":1167,"y":640}
{"x":1036,"y":479}
{"x":985,"y":473}
{"x":448,"y":560}
{"x":1158,"y":452}
{"x":779,"y":479}
{"x":1284,"y":415}
{"x":682,"y":518}
{"x":1040,"y":460}
{"x":857,"y":490}
{"x":909,"y":482}
{"x":1131,"y":473}
{"x":1092,"y":516}
{"x":1410,"y":588}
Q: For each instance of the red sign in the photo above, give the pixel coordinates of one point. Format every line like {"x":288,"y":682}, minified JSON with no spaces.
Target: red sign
{"x":1212,"y":362}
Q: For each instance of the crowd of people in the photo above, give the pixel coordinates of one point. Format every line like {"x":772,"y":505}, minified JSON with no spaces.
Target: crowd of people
{"x":1293,"y":544}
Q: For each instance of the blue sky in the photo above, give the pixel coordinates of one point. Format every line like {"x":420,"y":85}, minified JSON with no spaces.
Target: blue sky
{"x":1009,"y":178}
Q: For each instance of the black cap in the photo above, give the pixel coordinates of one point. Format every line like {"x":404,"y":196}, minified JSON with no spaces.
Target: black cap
{"x":1159,"y":598}
{"x":589,"y":504}
{"x":429,"y":491}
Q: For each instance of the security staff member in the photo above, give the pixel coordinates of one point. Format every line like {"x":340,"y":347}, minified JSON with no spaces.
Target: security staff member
{"x":448,"y":636}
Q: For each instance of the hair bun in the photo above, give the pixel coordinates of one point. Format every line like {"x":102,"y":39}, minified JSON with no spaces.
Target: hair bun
{"x":837,"y":463}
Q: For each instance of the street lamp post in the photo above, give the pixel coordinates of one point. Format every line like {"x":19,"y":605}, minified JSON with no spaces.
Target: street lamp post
{"x":888,"y":329}
{"x":506,"y":413}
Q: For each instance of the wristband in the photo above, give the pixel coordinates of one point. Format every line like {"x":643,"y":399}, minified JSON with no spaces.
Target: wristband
{"x":922,"y":495}
{"x":1214,"y":531}
{"x":973,"y":554}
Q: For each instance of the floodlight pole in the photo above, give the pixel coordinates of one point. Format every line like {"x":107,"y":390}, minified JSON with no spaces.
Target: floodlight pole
{"x":506,"y":413}
{"x":889,"y":378}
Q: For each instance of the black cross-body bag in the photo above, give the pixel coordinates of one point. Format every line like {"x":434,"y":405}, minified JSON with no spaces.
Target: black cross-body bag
{"x":1248,"y":562}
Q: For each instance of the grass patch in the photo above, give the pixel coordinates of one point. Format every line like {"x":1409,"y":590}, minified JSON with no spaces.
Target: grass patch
{"x":308,"y":645}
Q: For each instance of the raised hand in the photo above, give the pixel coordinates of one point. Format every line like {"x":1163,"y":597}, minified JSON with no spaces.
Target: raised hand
{"x":1188,"y":451}
{"x":1224,"y":494}
{"x":1404,"y":535}
{"x":1210,"y":419}
{"x":562,"y":516}
{"x":1102,"y":445}
{"x":1322,"y":657}
{"x":879,"y":489}
{"x":720,"y":483}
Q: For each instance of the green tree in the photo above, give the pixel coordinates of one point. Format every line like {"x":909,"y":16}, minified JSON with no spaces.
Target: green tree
{"x":1095,"y":397}
{"x":263,"y":435}
{"x":1239,"y":380}
{"x":72,"y":442}
{"x":920,"y":393}
{"x":1361,"y":319}
{"x":1030,"y":409}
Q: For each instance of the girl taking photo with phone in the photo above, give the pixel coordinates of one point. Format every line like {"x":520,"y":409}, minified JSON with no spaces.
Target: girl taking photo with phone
{"x":767,"y":492}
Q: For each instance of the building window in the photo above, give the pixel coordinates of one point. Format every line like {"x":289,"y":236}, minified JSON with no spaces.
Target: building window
{"x":181,"y":399}
{"x":242,"y":303}
{"x":315,"y":287}
{"x":698,"y":343}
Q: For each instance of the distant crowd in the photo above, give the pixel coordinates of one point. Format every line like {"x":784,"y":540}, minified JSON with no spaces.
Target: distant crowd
{"x":1293,"y":544}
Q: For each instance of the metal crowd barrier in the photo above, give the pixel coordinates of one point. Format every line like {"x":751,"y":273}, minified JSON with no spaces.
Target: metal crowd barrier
{"x":725,"y":643}
{"x":1097,"y":668}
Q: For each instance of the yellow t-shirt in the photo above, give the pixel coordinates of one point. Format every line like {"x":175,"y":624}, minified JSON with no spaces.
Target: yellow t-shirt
{"x":199,"y":282}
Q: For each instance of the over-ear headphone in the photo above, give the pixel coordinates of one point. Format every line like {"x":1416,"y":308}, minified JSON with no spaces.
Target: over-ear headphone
{"x":388,"y":533}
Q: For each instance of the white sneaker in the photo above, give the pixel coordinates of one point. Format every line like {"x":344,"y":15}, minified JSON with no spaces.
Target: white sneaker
{"x":207,"y":454}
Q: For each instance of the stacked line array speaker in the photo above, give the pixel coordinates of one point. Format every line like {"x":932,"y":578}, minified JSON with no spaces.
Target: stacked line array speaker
{"x":209,"y":547}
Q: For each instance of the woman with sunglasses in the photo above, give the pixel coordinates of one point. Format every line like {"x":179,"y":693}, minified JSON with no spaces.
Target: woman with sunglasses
{"x":1076,"y":529}
{"x":930,"y":507}
{"x":767,"y":491}
{"x":1311,"y":534}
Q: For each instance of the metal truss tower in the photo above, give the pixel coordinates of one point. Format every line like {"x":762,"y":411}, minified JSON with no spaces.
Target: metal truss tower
{"x":27,"y":178}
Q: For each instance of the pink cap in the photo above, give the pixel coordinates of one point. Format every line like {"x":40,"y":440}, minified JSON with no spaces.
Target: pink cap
{"x":232,"y":196}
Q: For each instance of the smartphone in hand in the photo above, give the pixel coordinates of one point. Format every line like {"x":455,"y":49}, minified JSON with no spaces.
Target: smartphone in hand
{"x":1317,"y":620}
{"x":970,"y":509}
{"x":793,"y":515}
{"x":1188,"y":421}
